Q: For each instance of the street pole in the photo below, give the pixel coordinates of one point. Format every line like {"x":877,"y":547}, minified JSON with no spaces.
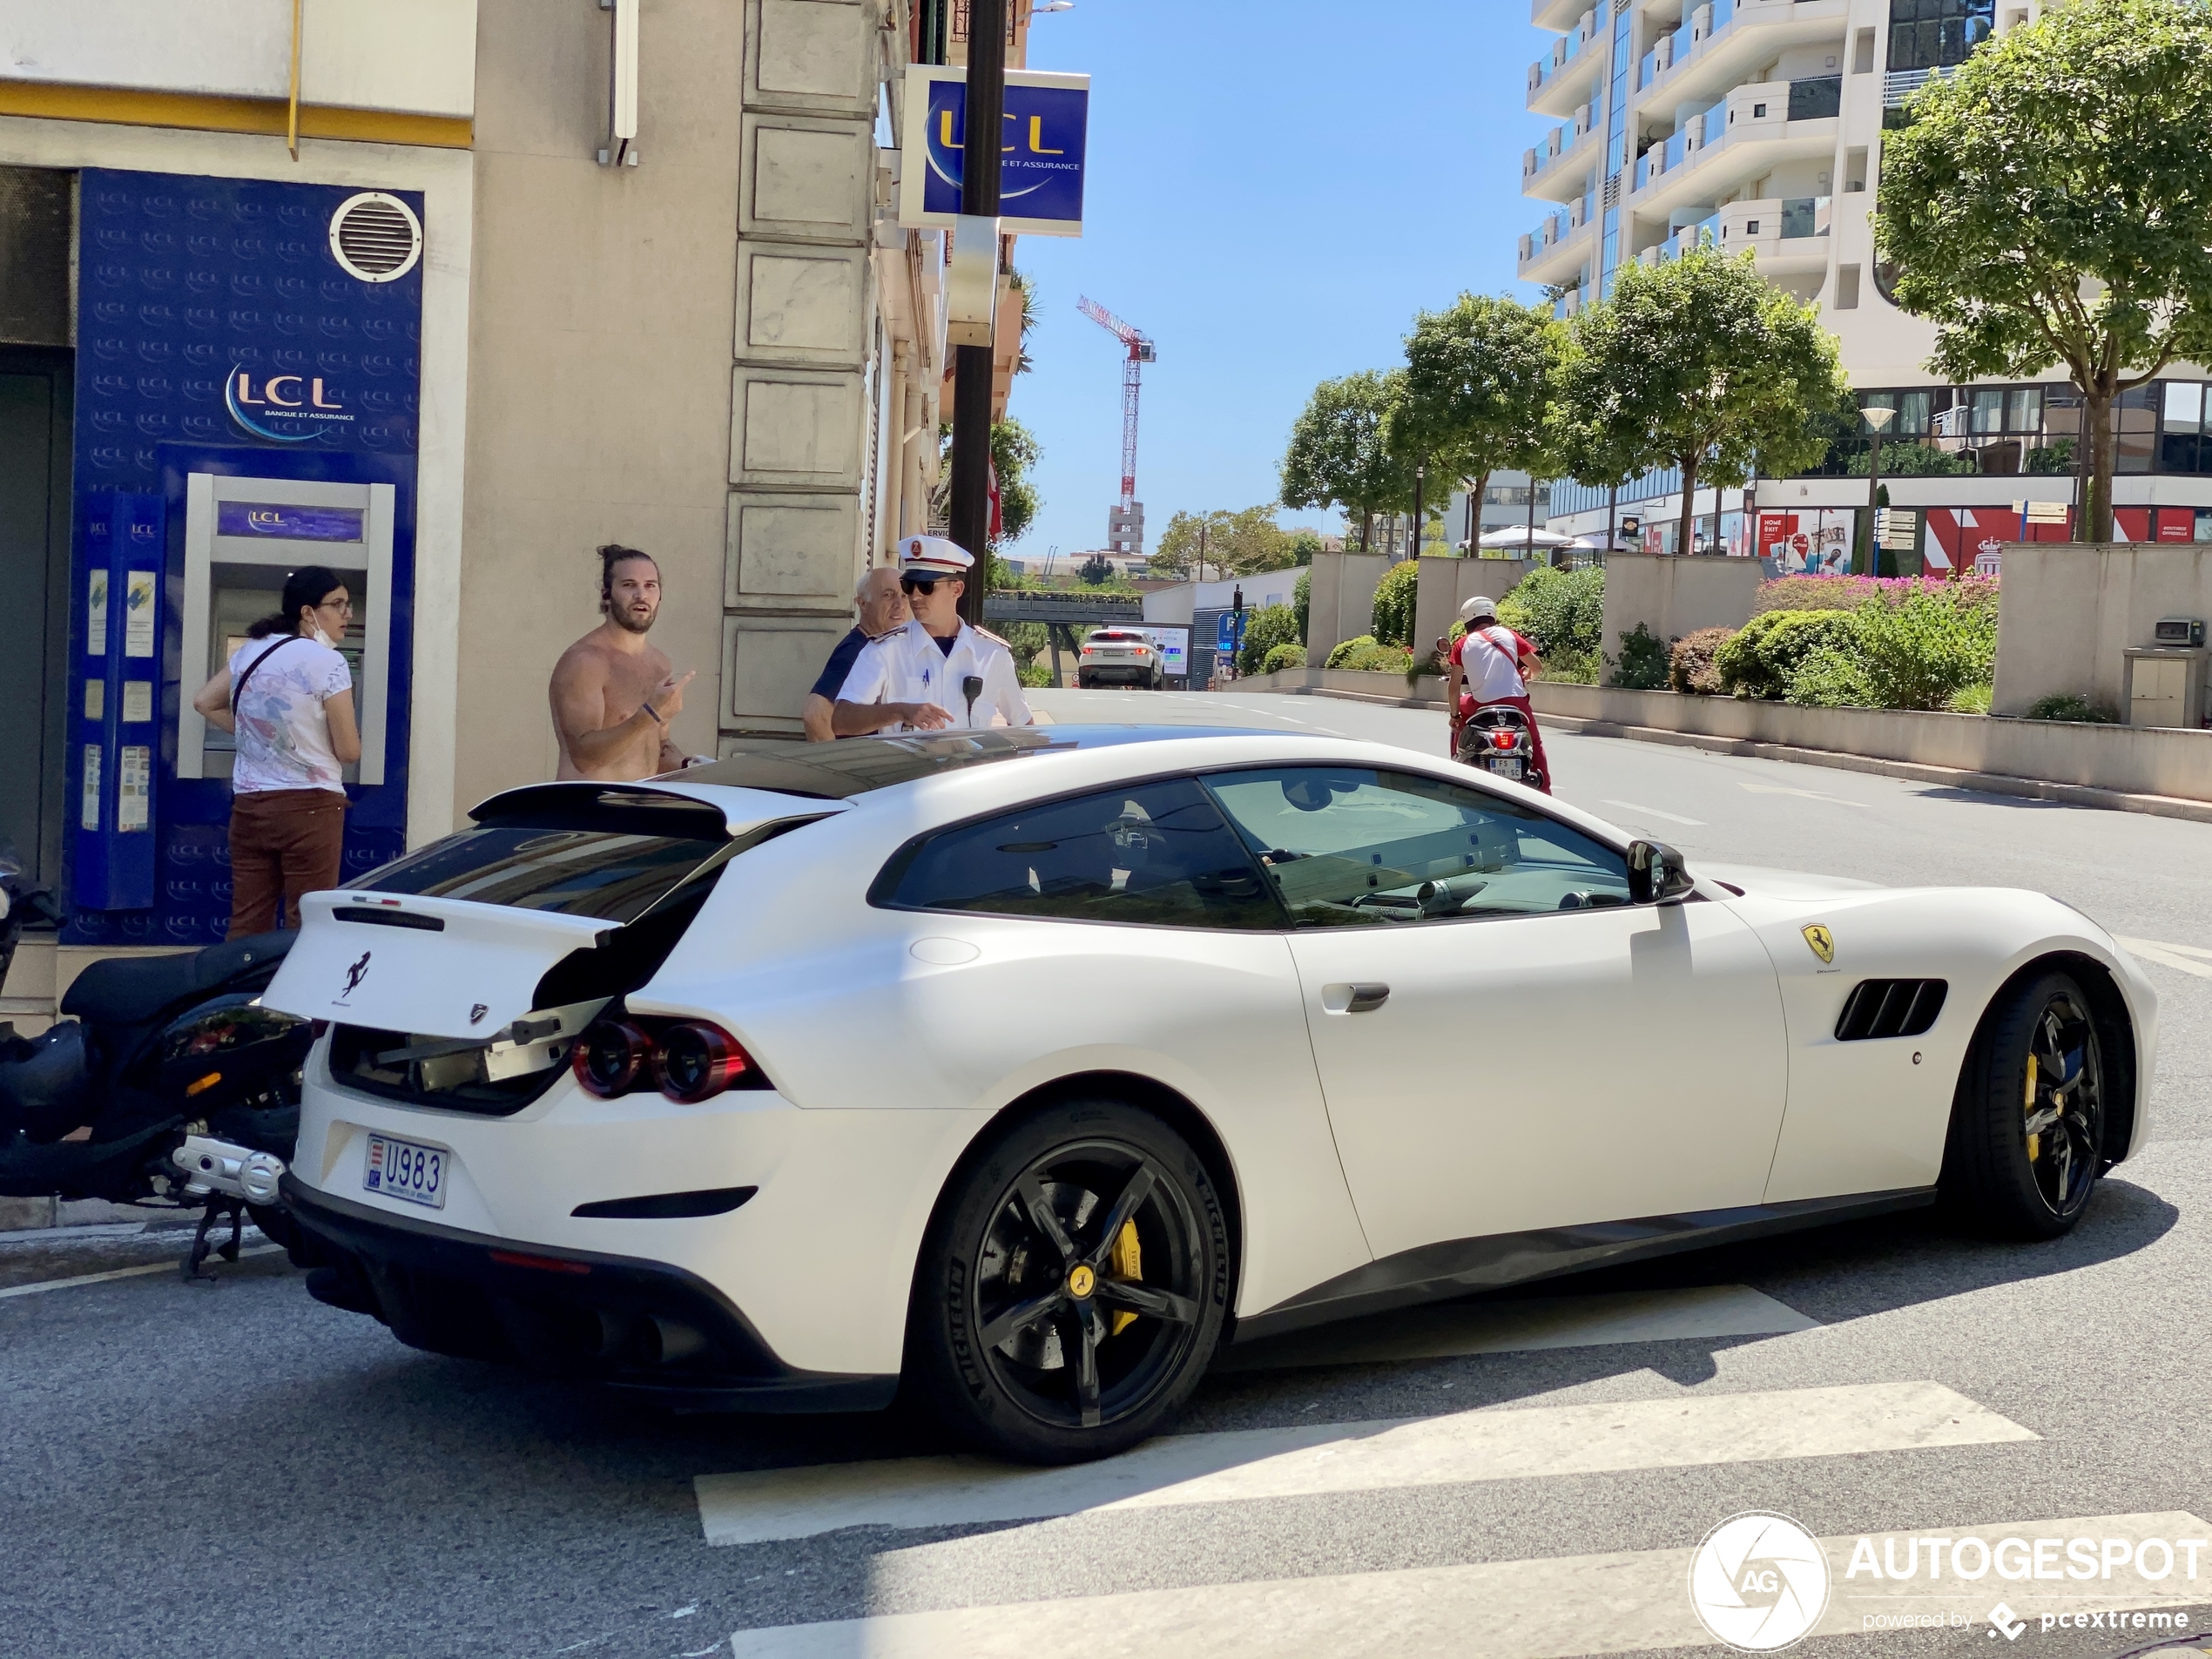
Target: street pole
{"x":1612,"y":499}
{"x":1414,"y":542}
{"x":984,"y":116}
{"x":1876,"y":420}
{"x":1528,"y":545}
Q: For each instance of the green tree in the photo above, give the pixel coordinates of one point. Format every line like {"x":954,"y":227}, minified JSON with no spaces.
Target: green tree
{"x":1481,"y":383}
{"x":1340,"y":453}
{"x":1396,"y":600}
{"x":1303,"y":545}
{"x":1240,"y":543}
{"x":1699,"y":364}
{"x":1014,"y":452}
{"x":2049,"y":205}
{"x":1266,"y":628}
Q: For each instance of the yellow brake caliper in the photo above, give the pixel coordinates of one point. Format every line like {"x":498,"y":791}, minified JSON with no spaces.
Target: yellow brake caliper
{"x":2034,"y":1142}
{"x":1124,"y":1261}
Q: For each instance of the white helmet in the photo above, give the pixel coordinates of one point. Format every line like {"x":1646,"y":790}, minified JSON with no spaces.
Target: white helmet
{"x":1480,"y":606}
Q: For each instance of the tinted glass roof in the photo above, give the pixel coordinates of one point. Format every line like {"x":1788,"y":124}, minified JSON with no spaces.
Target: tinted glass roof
{"x":855,"y":766}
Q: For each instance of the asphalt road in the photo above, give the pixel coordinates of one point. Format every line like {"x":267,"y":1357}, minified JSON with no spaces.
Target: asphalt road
{"x":235,"y":1468}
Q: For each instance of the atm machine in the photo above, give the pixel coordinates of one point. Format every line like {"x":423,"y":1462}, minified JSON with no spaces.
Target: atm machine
{"x":243,"y":535}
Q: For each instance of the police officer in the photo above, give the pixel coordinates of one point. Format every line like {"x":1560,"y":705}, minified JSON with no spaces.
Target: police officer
{"x":917,"y":677}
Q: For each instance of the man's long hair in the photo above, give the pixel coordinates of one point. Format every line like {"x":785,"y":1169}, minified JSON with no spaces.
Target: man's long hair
{"x":610,"y":556}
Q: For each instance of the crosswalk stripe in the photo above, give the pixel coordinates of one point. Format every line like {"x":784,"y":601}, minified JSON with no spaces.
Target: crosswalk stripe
{"x":1521,"y":1609}
{"x":1246,"y":1465}
{"x":2165,"y":955}
{"x":1522,"y":1326}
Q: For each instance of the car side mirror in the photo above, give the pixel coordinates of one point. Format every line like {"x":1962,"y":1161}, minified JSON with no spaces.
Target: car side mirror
{"x":1656,"y":874}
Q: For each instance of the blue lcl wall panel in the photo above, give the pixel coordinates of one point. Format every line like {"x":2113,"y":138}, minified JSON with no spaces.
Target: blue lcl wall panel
{"x":187,"y":283}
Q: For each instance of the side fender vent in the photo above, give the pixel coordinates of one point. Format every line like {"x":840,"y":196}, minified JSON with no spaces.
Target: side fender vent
{"x":1890,"y":1008}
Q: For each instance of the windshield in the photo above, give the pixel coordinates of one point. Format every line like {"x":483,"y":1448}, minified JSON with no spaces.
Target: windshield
{"x":613,"y":876}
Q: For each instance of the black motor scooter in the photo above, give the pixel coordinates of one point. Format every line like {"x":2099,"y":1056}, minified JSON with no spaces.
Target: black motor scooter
{"x":166,"y":1083}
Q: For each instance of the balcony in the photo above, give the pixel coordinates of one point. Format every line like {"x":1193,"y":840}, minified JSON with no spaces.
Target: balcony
{"x":1558,"y":16}
{"x":1899,"y":85}
{"x":1563,"y":161}
{"x":1720,"y":42}
{"x":1558,"y":248}
{"x":1569,"y":75}
{"x":1789,"y":236}
{"x":1747,"y":134}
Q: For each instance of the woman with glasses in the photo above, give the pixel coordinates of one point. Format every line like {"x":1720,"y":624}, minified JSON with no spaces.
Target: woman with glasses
{"x":287,"y":695}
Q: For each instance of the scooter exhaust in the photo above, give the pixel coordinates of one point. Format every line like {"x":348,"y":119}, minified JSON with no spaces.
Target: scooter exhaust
{"x":213,"y":1166}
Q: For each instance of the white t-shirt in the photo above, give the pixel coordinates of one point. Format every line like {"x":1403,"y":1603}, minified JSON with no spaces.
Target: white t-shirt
{"x":1490,"y":659}
{"x":283,"y":729}
{"x":908,"y":665}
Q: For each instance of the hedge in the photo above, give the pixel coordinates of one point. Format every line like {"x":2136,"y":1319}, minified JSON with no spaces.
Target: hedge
{"x":1765,"y":652}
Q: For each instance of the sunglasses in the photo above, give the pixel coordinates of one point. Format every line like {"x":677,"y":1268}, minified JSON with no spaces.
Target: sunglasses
{"x":918,"y":583}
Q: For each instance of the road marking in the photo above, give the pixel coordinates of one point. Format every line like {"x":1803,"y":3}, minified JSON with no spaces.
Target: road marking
{"x":1807,"y":794}
{"x":1520,"y":1325}
{"x":1547,"y":1609}
{"x":1248,"y":1465}
{"x":44,"y":1285}
{"x":2175,"y":956}
{"x":1653,"y":812}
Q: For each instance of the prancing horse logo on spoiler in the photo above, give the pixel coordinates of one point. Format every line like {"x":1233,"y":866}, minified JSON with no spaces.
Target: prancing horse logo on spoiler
{"x":355,"y":975}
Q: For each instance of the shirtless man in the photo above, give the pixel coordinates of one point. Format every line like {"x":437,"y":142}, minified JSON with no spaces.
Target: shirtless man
{"x":613,"y":695}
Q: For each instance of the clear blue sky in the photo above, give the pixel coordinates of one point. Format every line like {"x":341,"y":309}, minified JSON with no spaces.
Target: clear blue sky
{"x":1273,"y":191}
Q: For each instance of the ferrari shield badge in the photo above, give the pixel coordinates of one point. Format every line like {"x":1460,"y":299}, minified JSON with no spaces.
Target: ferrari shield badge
{"x":1823,"y":943}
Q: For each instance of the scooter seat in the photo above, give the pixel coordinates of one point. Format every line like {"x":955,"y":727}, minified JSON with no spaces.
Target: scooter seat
{"x":130,"y":990}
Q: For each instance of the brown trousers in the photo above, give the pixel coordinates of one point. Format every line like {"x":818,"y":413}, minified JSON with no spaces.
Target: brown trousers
{"x":284,"y":842}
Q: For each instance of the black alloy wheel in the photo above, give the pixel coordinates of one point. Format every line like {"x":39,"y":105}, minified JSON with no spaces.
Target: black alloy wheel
{"x":1074,"y":1285}
{"x":2028,"y":1130}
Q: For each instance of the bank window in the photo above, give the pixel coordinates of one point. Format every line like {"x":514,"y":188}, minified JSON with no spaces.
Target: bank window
{"x":1157,"y":854}
{"x":1351,"y":846}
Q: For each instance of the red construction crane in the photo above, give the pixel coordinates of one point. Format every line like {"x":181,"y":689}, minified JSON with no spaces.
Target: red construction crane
{"x":1125,"y":532}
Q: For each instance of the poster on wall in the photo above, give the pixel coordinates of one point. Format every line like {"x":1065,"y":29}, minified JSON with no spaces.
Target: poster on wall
{"x":1814,"y":542}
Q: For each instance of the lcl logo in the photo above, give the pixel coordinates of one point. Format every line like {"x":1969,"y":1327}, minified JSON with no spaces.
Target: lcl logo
{"x":275,"y":396}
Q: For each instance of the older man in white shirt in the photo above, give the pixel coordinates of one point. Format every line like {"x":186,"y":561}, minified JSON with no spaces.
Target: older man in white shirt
{"x":936,"y":672}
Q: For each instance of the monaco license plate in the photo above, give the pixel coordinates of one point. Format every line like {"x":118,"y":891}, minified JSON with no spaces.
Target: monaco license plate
{"x":402,"y":1169}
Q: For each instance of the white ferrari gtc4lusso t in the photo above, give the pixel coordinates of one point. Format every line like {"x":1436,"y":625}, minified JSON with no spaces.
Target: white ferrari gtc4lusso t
{"x":1029,"y":1068}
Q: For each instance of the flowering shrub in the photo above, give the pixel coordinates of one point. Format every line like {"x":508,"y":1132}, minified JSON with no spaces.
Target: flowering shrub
{"x":1849,"y":592}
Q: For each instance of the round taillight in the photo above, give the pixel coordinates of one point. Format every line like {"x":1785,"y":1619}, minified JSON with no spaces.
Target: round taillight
{"x":695,"y":1060}
{"x":609,"y":1057}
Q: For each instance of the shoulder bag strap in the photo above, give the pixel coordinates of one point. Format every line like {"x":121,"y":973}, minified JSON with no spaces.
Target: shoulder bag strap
{"x":237,"y":685}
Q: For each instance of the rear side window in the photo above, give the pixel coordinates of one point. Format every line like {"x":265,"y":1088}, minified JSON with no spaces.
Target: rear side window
{"x":612,"y":876}
{"x":1158,"y":853}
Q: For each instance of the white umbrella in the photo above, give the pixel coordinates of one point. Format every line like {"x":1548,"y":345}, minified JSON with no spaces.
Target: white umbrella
{"x":1522,"y":536}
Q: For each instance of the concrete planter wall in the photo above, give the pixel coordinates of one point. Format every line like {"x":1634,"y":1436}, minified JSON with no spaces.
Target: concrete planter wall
{"x":1673,"y":596}
{"x":1447,"y":583}
{"x":1343,"y":602}
{"x":2126,"y":760}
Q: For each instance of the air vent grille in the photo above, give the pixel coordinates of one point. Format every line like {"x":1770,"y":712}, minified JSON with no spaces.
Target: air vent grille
{"x":375,"y":237}
{"x":1890,"y":1008}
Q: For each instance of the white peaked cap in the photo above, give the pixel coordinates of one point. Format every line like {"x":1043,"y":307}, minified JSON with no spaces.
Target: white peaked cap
{"x":927,"y":553}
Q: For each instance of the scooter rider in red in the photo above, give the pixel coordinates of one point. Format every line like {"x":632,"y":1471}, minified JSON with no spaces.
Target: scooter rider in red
{"x":1492,"y":664}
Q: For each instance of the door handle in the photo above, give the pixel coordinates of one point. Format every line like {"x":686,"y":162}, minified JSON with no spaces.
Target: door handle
{"x":1367,"y":997}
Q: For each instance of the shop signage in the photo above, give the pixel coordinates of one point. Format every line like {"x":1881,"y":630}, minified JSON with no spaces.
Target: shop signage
{"x":1041,"y":151}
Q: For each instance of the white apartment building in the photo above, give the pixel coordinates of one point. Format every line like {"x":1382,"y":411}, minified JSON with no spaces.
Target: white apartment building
{"x":1758,"y":124}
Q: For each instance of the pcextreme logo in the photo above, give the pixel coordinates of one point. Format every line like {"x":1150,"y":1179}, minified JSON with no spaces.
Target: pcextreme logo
{"x":1759,"y":1582}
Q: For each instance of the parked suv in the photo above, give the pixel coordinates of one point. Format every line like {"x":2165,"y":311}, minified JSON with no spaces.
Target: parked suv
{"x":1120,"y":656}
